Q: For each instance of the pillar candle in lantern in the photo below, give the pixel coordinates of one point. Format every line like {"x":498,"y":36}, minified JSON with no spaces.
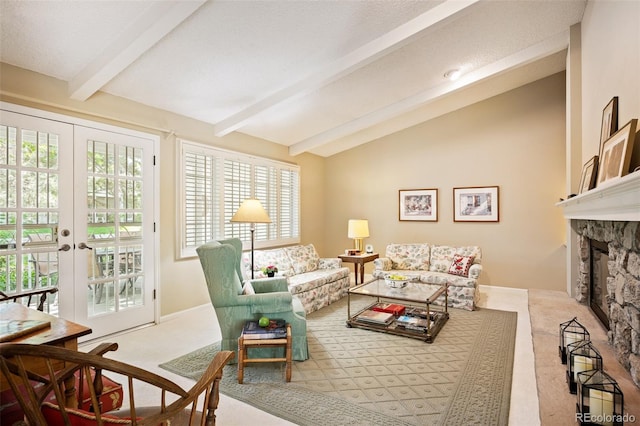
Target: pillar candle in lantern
{"x":601,"y":406}
{"x":580,"y":364}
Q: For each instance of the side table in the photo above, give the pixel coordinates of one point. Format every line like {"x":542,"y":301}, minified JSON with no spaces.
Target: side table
{"x":359,"y":260}
{"x":245,"y":344}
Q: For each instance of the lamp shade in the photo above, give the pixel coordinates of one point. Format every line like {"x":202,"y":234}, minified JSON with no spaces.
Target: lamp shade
{"x":358,"y":228}
{"x":251,"y":211}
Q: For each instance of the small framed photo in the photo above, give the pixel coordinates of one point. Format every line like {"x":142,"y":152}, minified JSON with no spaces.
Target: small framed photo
{"x":589,"y":175}
{"x":609,"y":121}
{"x":418,"y":204}
{"x":475,"y":204}
{"x":615,"y":157}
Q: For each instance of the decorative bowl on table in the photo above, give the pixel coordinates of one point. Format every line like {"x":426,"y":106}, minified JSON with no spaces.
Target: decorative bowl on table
{"x":397,"y":281}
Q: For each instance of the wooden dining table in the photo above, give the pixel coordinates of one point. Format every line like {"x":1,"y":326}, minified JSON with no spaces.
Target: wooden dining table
{"x":59,"y":332}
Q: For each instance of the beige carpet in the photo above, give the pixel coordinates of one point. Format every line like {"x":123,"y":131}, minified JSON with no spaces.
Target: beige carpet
{"x":358,"y":377}
{"x":548,"y":309}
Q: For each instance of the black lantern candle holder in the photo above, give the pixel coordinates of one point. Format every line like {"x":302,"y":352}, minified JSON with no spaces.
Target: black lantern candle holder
{"x":582,"y":356}
{"x":600,"y":400}
{"x":571,"y":332}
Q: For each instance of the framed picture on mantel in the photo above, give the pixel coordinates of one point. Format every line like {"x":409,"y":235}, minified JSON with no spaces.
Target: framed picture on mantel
{"x":615,"y":157}
{"x":609,"y":120}
{"x":589,"y":174}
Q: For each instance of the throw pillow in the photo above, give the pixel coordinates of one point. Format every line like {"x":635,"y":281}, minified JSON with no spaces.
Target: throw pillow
{"x":248,"y":288}
{"x":460,"y":265}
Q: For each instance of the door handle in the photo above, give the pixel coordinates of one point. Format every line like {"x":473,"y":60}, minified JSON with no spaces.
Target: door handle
{"x":83,"y":246}
{"x":65,"y":247}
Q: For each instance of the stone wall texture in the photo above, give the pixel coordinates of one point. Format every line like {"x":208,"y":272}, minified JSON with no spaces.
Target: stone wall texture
{"x":623,"y":285}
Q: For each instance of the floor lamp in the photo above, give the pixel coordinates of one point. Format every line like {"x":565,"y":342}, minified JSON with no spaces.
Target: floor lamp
{"x":251,"y":211}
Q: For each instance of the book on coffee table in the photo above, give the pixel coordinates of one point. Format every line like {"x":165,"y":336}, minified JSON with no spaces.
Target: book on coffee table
{"x":277,"y":329}
{"x":412,"y":323}
{"x":392,"y":308}
{"x":375,"y":317}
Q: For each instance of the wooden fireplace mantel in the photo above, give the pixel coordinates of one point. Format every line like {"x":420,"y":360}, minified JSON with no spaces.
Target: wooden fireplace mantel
{"x":618,"y":200}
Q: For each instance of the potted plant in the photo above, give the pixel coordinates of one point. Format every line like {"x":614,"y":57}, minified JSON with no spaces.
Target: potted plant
{"x":270,"y":270}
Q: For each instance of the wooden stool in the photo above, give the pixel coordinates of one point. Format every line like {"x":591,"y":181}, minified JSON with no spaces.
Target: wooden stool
{"x":245,"y":344}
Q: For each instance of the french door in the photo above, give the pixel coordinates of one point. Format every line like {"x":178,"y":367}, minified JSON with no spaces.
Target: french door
{"x":77,"y":213}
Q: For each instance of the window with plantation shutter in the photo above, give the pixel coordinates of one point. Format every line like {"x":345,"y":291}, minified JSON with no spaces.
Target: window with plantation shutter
{"x":214,"y":182}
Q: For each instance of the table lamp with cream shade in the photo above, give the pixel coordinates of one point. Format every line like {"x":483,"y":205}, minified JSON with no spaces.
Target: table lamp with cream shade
{"x":251,"y":211}
{"x":358,"y":229}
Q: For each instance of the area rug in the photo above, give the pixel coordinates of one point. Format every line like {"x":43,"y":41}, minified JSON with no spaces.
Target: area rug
{"x":361,"y":377}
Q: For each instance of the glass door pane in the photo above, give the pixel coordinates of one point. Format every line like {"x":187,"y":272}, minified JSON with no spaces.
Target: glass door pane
{"x":35,"y":162}
{"x":116,"y":245}
{"x":114,"y":227}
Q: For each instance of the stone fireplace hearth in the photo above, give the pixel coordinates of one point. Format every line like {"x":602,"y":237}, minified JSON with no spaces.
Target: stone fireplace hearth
{"x":610,"y":215}
{"x":623,"y":284}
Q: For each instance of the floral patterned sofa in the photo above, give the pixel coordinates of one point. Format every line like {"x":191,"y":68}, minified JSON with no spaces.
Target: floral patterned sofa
{"x":433,"y":264}
{"x":316,"y":281}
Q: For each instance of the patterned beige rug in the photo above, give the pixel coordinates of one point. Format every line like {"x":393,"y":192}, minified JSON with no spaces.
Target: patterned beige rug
{"x":361,"y":377}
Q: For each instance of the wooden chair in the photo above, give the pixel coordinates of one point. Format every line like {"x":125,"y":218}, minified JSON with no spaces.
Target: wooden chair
{"x":109,"y":393}
{"x":41,"y":294}
{"x":193,"y":407}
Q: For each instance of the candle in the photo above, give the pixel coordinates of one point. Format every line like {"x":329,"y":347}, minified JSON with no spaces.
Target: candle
{"x":580,"y":364}
{"x":601,"y":407}
{"x":571,"y":338}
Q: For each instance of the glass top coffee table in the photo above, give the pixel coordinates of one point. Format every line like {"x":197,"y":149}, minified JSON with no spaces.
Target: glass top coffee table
{"x":406,"y":311}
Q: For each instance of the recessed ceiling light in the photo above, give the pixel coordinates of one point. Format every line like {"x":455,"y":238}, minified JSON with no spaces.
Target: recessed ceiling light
{"x":453,"y":74}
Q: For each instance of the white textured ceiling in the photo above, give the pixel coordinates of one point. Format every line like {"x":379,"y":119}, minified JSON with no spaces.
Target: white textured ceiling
{"x":317,"y":76}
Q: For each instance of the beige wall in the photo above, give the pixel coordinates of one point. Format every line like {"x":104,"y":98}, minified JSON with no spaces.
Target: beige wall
{"x":514,"y":140}
{"x":181,"y":282}
{"x":610,"y":67}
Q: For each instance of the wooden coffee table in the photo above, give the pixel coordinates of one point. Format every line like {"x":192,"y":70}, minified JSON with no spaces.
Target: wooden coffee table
{"x":416,"y":296}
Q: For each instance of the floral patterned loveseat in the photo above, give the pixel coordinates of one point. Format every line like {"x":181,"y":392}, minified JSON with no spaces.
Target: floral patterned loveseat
{"x":316,"y":281}
{"x":433,"y":264}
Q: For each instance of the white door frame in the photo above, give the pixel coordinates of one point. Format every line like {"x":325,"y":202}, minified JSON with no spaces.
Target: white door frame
{"x":155,"y":141}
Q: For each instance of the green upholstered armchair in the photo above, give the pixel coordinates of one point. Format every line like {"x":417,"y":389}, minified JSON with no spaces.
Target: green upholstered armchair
{"x":221,"y":265}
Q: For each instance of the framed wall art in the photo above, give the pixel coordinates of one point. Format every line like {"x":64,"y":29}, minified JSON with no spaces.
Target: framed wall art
{"x":609,"y":121}
{"x":475,"y":204}
{"x":616,"y":153}
{"x":418,"y":204}
{"x":589,"y":175}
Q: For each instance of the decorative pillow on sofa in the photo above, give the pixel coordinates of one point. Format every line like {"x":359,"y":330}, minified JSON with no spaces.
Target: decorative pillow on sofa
{"x":441,"y":257}
{"x":411,"y":257}
{"x":303,"y":258}
{"x":460,"y":265}
{"x":263,"y":258}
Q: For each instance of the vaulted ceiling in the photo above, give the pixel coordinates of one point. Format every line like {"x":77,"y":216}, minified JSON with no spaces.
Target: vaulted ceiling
{"x":317,"y":76}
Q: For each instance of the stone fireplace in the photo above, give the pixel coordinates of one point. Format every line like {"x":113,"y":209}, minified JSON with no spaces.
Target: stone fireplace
{"x":607,"y":224}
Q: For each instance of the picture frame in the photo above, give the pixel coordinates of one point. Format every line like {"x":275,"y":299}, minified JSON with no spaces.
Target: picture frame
{"x":476,"y":204}
{"x":589,"y":175}
{"x":418,"y":205}
{"x":609,"y":121}
{"x":615,"y":157}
